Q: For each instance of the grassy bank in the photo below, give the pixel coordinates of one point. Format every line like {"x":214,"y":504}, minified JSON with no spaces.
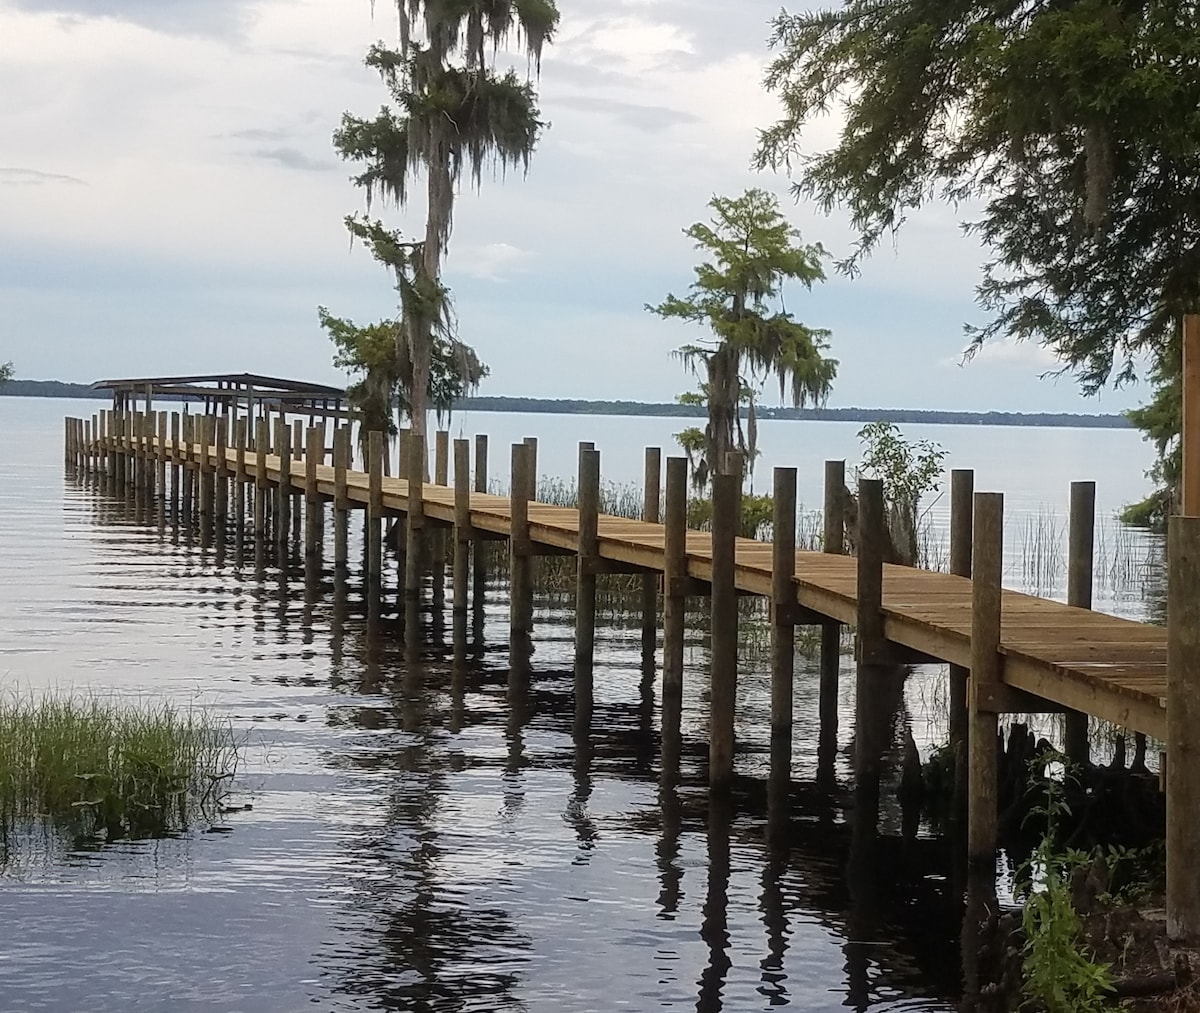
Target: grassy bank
{"x":98,"y":767}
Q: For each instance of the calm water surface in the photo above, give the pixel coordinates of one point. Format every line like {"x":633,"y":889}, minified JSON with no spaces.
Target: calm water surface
{"x":415,"y":842}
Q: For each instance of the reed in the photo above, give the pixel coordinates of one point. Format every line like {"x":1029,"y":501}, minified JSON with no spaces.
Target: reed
{"x":95,"y":767}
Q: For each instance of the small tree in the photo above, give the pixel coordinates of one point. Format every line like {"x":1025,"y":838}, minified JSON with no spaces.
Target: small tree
{"x":909,"y":470}
{"x":754,"y":252}
{"x":6,"y":372}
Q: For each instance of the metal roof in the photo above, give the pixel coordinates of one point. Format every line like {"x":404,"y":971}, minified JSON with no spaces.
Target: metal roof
{"x":226,"y":385}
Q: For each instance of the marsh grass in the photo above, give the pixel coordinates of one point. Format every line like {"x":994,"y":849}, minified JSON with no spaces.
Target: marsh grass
{"x":95,"y":768}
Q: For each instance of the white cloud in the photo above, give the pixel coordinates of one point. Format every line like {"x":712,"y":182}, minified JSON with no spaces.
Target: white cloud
{"x":1009,"y":353}
{"x":491,"y":262}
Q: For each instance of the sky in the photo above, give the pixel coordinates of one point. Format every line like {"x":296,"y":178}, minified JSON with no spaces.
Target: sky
{"x":170,"y":203}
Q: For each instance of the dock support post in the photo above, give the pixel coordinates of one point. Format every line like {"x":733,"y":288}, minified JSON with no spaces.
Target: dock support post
{"x":418,"y":458}
{"x":162,"y":457}
{"x":962,"y":507}
{"x":205,"y":439}
{"x":341,"y":498}
{"x":462,"y":530}
{"x":283,"y":491}
{"x":1183,"y":729}
{"x":674,"y":597}
{"x":987,"y":568}
{"x":726,"y":500}
{"x":783,"y":609}
{"x":520,"y":560}
{"x":241,"y":435}
{"x":297,"y":437}
{"x":1080,"y":555}
{"x":479,"y":557}
{"x":871,"y":654}
{"x":175,"y":465}
{"x":833,"y":542}
{"x":651,"y":515}
{"x":588,"y":502}
{"x":314,"y":513}
{"x":221,"y":506}
{"x":374,"y":506}
{"x":437,"y":536}
{"x":262,"y":447}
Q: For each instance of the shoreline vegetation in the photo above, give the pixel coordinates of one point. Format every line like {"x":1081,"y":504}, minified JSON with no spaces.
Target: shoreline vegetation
{"x":573,"y":406}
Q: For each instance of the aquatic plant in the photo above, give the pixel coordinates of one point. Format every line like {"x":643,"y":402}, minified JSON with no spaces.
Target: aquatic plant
{"x":99,"y":767}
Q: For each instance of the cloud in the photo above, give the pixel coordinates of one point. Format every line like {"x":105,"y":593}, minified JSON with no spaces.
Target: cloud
{"x":172,"y":17}
{"x":32,"y":177}
{"x":641,"y":117}
{"x":491,"y":262}
{"x":1007,"y":352}
{"x":293,"y":158}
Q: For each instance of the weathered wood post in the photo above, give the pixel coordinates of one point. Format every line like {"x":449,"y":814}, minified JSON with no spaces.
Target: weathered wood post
{"x":341,"y":497}
{"x":651,"y":493}
{"x":437,"y":540}
{"x":479,"y":557}
{"x":262,"y":447}
{"x":726,"y":500}
{"x":297,"y":446}
{"x":987,"y":565}
{"x":375,"y":505}
{"x":1183,"y":728}
{"x":314,"y":513}
{"x":520,"y":564}
{"x":418,"y":457}
{"x":462,"y":527}
{"x":204,"y":437}
{"x":833,"y":541}
{"x":784,"y":608}
{"x":962,"y":510}
{"x":532,"y":443}
{"x":163,"y":456}
{"x":587,"y":551}
{"x":241,"y":435}
{"x":674,"y":589}
{"x":1080,"y":555}
{"x":870,"y":649}
{"x":221,"y":507}
{"x":283,"y":491}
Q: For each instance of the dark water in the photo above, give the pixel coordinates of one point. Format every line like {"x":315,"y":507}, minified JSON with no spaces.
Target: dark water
{"x":422,"y":838}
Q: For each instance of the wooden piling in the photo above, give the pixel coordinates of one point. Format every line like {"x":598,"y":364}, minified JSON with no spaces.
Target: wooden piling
{"x":520,"y":565}
{"x":437,"y":536}
{"x":413,"y":561}
{"x":674,"y":588}
{"x":1183,"y":729}
{"x":262,"y":446}
{"x":162,"y":456}
{"x":833,"y":541}
{"x":283,"y":490}
{"x":871,"y":654}
{"x":588,"y":499}
{"x":341,"y":496}
{"x":203,"y":467}
{"x":1190,"y":428}
{"x":651,"y":493}
{"x":478,"y":555}
{"x":784,"y":604}
{"x":1080,"y":556}
{"x":375,"y":505}
{"x":962,"y":507}
{"x":297,"y":488}
{"x":462,"y":524}
{"x":241,"y":433}
{"x":987,"y":565}
{"x":221,"y":504}
{"x":726,"y":500}
{"x":314,"y":514}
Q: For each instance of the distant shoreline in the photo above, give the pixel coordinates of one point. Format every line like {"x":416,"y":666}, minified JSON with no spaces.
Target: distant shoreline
{"x":545,"y":406}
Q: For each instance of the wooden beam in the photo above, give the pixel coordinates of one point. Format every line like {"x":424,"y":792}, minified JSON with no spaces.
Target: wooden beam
{"x":1190,"y":506}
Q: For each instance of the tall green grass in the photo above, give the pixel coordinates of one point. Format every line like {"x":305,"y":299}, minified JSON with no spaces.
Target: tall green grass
{"x":95,"y":767}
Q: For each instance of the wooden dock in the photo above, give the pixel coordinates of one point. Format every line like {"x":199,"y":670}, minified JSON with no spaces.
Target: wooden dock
{"x":1027,"y":654}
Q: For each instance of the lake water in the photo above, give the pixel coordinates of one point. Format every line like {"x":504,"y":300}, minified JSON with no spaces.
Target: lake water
{"x":415,"y":843}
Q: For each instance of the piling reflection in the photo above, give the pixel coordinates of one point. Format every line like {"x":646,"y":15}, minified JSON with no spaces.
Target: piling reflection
{"x":714,"y":925}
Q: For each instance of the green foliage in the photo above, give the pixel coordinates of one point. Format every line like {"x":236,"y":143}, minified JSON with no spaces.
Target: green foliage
{"x":383,"y":379}
{"x":758,"y":513}
{"x":452,"y":112}
{"x":1059,"y":971}
{"x":753,"y":251}
{"x":909,"y":470}
{"x":92,"y":766}
{"x":6,"y":372}
{"x":1073,"y":128}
